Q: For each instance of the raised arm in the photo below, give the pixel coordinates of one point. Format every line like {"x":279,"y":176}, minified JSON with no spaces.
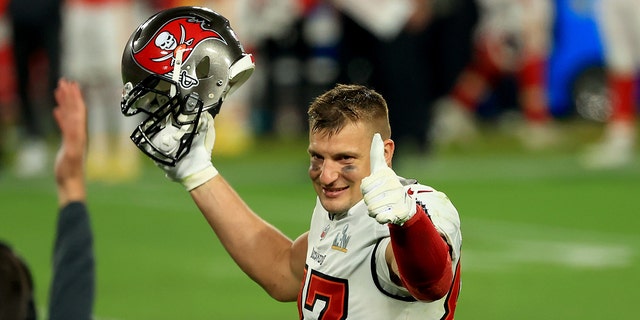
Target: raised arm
{"x":73,"y":283}
{"x":265,"y":254}
{"x":71,"y":117}
{"x":270,"y":258}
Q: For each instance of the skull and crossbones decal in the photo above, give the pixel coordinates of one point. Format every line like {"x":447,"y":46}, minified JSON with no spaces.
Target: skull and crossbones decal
{"x":167,"y":42}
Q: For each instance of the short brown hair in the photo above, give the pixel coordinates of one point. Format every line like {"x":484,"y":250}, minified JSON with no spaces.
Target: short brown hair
{"x":349,"y":103}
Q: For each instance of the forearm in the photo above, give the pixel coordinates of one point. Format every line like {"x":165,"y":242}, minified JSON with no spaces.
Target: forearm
{"x":73,"y":284}
{"x":70,"y":180}
{"x":259,"y":249}
{"x":422,"y":257}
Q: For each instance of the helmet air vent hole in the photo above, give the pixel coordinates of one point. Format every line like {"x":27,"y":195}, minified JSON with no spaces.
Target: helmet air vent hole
{"x":202,"y":69}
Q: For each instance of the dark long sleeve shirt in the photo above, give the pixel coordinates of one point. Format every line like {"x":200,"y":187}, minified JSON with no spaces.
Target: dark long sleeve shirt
{"x":73,"y":285}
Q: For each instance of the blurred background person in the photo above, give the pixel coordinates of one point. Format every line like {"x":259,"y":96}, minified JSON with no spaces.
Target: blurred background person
{"x":35,"y":27}
{"x":619,"y":25}
{"x":411,"y":51}
{"x":95,"y":32}
{"x":294,"y":42}
{"x":512,"y":39}
{"x":241,"y":117}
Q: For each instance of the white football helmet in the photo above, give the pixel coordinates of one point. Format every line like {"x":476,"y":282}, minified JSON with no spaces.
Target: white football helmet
{"x":180,"y":62}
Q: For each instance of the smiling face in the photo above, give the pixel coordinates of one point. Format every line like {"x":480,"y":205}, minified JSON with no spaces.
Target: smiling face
{"x":342,"y":122}
{"x":338,"y":164}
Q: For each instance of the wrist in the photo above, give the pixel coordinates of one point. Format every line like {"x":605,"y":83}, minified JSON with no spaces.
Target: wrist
{"x":411,"y":208}
{"x":410,"y":219}
{"x":197,"y":179}
{"x":71,"y":190}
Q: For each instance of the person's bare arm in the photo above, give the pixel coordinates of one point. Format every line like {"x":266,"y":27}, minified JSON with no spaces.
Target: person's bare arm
{"x":71,"y":117}
{"x":265,"y":254}
{"x":73,"y":281}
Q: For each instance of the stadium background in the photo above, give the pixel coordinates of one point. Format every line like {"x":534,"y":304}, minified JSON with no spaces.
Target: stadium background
{"x":543,"y":237}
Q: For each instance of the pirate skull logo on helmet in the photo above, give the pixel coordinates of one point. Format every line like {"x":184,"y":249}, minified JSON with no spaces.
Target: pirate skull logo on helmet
{"x":166,"y":41}
{"x":179,"y":63}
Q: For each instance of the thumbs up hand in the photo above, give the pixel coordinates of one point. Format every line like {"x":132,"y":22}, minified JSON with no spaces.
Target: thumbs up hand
{"x":383,"y":193}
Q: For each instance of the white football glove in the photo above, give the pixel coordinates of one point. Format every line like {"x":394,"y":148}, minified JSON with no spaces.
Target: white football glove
{"x":383,"y":193}
{"x":195,"y":168}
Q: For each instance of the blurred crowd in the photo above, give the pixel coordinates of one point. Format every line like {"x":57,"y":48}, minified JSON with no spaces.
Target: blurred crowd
{"x":437,"y":62}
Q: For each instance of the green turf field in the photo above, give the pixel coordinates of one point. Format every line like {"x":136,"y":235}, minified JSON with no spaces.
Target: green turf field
{"x":543,"y":238}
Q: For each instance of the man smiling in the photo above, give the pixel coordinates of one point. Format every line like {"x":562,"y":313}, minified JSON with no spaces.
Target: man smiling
{"x":379,"y":246}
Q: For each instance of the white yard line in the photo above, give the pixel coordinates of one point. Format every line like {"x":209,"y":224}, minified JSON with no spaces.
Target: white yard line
{"x":504,"y":246}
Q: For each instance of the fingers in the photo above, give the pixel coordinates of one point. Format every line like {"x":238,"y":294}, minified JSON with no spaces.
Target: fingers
{"x":68,"y":95}
{"x":70,"y":109}
{"x":378,"y":161}
{"x":70,"y":115}
{"x":206,"y":121}
{"x":205,"y":125}
{"x":209,"y":131}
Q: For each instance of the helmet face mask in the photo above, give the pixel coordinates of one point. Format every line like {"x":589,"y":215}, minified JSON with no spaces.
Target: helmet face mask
{"x":148,"y":96}
{"x":179,"y":63}
{"x":172,"y":120}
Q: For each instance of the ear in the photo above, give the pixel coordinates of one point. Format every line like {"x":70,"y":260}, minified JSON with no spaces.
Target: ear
{"x":389,"y":149}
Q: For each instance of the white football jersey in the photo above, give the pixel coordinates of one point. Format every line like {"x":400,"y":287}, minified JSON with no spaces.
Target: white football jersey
{"x":346,"y":275}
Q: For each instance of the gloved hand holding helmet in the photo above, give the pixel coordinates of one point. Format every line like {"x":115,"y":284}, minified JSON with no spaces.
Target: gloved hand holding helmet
{"x":177,"y":69}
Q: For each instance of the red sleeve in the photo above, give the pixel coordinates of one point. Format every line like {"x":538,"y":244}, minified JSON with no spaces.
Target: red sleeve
{"x":422,"y":256}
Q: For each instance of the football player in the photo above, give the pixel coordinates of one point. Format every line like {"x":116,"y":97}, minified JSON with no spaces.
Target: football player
{"x":379,"y":246}
{"x":92,"y":57}
{"x":619,"y":24}
{"x":512,"y":38}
